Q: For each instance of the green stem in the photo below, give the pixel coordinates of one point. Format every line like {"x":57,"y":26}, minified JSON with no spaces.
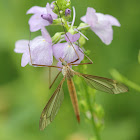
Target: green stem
{"x":95,"y":129}
{"x":123,"y":79}
{"x":66,"y":25}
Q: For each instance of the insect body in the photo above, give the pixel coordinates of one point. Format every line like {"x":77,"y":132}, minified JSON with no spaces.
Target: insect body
{"x":99,"y":83}
{"x":69,"y":73}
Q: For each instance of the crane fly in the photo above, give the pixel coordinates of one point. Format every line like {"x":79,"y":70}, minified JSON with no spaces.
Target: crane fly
{"x":99,"y":83}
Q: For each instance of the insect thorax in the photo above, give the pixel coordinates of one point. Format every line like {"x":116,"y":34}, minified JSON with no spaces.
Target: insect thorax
{"x":68,"y":72}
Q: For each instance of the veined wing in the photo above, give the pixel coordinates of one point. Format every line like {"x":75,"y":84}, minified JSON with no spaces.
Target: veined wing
{"x":49,"y":112}
{"x":104,"y":84}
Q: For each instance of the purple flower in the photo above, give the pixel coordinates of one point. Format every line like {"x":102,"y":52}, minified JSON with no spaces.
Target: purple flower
{"x":67,"y":12}
{"x":37,"y":21}
{"x":66,"y":51}
{"x":41,"y":50}
{"x":47,"y":17}
{"x":101,"y":24}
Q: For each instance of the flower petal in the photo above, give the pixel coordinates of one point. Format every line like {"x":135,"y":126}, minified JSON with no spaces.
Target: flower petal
{"x":41,"y":51}
{"x":66,"y":52}
{"x":25,"y":59}
{"x":84,"y":19}
{"x":21,"y":46}
{"x":46,"y":35}
{"x":103,"y":29}
{"x":36,"y":10}
{"x":36,"y":22}
{"x":102,"y":19}
{"x":101,"y":24}
{"x":113,"y":20}
{"x":91,"y":17}
{"x":72,"y":38}
{"x":105,"y":33}
{"x":49,"y":11}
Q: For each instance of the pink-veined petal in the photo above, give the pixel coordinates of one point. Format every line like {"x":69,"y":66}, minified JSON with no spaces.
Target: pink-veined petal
{"x":37,"y":10}
{"x":21,"y":46}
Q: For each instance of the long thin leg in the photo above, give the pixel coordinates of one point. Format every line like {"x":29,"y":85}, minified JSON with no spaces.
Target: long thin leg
{"x":39,"y":64}
{"x":54,"y":80}
{"x":81,"y":64}
{"x":91,"y":62}
{"x":66,"y":35}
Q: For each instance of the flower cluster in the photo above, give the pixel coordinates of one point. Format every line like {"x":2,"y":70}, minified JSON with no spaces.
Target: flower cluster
{"x":64,"y":44}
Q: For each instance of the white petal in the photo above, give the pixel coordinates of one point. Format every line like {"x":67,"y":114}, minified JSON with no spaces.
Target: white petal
{"x":37,"y":10}
{"x":36,"y":22}
{"x":66,"y":52}
{"x":91,"y":17}
{"x":41,"y":51}
{"x":46,"y":35}
{"x":113,"y":20}
{"x":105,"y":33}
{"x":84,"y":19}
{"x":103,"y":29}
{"x":102,"y":19}
{"x":21,"y":46}
{"x":25,"y":59}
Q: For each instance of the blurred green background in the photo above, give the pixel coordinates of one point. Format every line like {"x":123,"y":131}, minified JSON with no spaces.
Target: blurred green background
{"x":24,"y":91}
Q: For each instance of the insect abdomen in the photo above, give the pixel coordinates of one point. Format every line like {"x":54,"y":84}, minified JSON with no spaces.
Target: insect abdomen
{"x":73,"y":96}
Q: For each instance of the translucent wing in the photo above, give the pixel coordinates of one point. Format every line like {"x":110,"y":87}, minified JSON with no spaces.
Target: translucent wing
{"x":104,"y":84}
{"x":49,"y":112}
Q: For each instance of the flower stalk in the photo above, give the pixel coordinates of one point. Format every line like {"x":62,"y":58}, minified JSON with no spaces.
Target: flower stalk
{"x":91,"y":109}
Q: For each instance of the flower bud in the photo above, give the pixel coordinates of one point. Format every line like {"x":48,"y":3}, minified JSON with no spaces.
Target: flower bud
{"x":56,"y":37}
{"x":67,"y":12}
{"x":47,"y":17}
{"x":52,"y":5}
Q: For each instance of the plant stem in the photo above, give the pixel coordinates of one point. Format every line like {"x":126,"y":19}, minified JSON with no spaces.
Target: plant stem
{"x":123,"y":79}
{"x":95,"y":129}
